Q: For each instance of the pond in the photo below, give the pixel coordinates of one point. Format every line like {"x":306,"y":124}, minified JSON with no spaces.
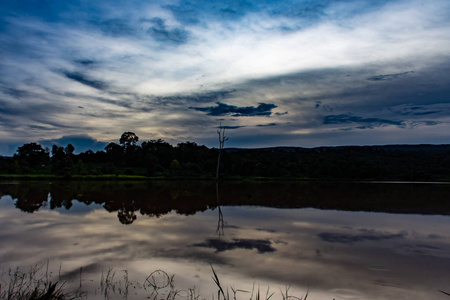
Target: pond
{"x":347,"y":240}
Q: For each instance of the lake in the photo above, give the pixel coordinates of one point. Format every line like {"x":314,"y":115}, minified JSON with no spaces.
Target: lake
{"x":125,"y":240}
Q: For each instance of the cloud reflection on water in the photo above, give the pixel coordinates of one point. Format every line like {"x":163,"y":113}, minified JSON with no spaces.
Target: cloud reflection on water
{"x":335,"y":253}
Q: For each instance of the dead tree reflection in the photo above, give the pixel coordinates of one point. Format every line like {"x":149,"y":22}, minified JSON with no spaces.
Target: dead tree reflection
{"x":220,"y":223}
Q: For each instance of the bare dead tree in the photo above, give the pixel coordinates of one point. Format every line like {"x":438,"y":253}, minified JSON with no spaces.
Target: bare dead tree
{"x":222,"y":139}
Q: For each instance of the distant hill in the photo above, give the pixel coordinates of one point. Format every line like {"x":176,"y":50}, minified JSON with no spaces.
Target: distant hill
{"x":419,"y":147}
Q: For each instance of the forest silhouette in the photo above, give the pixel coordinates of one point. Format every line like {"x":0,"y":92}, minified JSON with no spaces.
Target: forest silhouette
{"x":157,"y":158}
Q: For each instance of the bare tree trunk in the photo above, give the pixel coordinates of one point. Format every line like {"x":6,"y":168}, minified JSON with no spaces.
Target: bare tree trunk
{"x":222,"y":139}
{"x":218,"y":164}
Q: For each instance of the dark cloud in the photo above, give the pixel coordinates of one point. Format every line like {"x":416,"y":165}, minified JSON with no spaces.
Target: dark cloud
{"x":125,"y":102}
{"x":323,"y":107}
{"x":162,"y":33}
{"x":105,"y":115}
{"x":421,"y":250}
{"x":86,"y":63}
{"x":83,"y":79}
{"x":17,"y":113}
{"x":222,"y":109}
{"x":197,"y":11}
{"x":16,"y":93}
{"x":263,"y":246}
{"x":116,"y":27}
{"x":335,"y":89}
{"x":131,"y":101}
{"x":230,"y":127}
{"x":267,"y":125}
{"x":266,"y":230}
{"x":281,"y":114}
{"x":421,"y":110}
{"x":369,"y":235}
{"x":424,"y":113}
{"x":388,"y":76}
{"x":48,"y":10}
{"x":229,"y":12}
{"x":38,"y":127}
{"x":345,"y":119}
{"x":309,"y":11}
{"x":425,"y":123}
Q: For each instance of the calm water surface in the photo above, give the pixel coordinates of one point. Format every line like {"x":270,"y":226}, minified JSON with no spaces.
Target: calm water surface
{"x":340,"y":240}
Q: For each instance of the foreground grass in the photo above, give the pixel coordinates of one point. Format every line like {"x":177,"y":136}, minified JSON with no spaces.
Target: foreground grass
{"x":31,"y":285}
{"x":36,"y":284}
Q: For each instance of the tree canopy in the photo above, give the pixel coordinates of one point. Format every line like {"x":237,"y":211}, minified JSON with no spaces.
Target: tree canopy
{"x":32,"y":154}
{"x":128,"y":139}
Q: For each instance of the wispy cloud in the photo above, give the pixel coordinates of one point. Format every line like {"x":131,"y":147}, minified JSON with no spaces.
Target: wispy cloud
{"x":388,"y":76}
{"x":83,"y":79}
{"x":161,"y":32}
{"x":345,"y":119}
{"x":421,"y":110}
{"x":364,"y":236}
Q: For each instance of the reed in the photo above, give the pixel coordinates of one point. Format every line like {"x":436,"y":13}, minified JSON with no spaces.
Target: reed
{"x":18,"y":285}
{"x":36,"y":284}
{"x":255,"y":294}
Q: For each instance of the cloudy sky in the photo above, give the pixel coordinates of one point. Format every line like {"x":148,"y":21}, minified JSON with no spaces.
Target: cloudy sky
{"x":275,"y":73}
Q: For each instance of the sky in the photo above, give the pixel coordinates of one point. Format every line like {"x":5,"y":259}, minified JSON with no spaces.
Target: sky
{"x":273,"y":73}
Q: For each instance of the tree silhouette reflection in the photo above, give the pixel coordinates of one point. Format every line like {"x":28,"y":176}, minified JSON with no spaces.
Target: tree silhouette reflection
{"x":125,"y":216}
{"x":156,"y":199}
{"x":31,"y":202}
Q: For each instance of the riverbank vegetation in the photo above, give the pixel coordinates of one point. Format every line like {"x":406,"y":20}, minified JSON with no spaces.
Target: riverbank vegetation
{"x":158,"y":159}
{"x":35,"y":284}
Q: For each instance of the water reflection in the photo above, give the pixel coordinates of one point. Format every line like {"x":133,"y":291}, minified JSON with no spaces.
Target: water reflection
{"x":343,"y":252}
{"x":155,"y":199}
{"x":220,"y":222}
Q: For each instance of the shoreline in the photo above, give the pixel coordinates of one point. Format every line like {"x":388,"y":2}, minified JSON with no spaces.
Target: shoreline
{"x":114,"y":177}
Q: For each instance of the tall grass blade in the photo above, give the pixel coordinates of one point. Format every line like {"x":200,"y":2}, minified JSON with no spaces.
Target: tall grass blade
{"x":216,"y":280}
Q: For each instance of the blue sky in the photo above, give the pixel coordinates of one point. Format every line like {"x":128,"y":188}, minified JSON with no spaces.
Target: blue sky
{"x":275,"y":73}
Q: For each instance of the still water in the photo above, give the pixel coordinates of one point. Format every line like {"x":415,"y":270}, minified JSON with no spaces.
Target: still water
{"x":337,"y":240}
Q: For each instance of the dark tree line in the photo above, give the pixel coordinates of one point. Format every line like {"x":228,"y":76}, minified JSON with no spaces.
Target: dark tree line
{"x":151,"y":158}
{"x":158,"y":158}
{"x":395,"y":162}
